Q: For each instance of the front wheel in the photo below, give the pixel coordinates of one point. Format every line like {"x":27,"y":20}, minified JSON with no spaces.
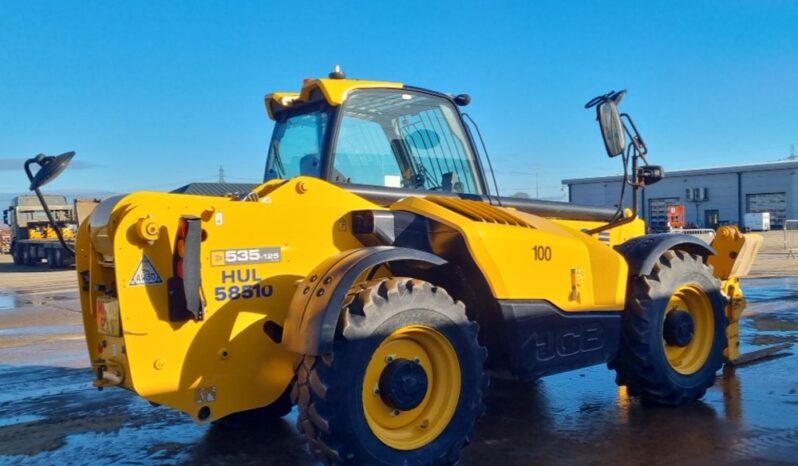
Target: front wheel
{"x":674,"y":331}
{"x":403,"y":384}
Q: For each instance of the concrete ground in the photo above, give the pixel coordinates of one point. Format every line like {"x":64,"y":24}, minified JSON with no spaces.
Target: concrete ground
{"x":50,"y":414}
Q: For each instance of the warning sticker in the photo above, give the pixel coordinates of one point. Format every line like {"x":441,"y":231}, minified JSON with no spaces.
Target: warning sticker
{"x":145,"y":274}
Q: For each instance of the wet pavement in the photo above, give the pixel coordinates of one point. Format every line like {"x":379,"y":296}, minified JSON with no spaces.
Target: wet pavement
{"x":50,"y":414}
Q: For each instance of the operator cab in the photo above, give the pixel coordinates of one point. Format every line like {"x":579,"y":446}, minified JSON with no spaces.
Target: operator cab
{"x":373,"y":134}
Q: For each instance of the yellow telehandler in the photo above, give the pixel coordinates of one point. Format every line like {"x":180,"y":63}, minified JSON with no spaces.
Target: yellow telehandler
{"x":376,"y":280}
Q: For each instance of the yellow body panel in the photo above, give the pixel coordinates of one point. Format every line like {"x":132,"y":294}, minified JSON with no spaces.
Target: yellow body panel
{"x":574,"y":271}
{"x":225,"y":362}
{"x":335,"y":92}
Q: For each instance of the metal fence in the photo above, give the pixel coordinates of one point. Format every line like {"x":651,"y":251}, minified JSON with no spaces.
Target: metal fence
{"x":791,"y":237}
{"x":705,"y":234}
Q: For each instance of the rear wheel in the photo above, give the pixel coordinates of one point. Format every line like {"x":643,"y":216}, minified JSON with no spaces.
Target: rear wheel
{"x":674,"y":331}
{"x":27,"y":256}
{"x":55,"y":258}
{"x":404,"y":383}
{"x":16,"y":254}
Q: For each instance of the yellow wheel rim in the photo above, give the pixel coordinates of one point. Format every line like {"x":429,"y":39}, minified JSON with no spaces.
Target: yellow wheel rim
{"x":414,"y":428}
{"x":690,"y":358}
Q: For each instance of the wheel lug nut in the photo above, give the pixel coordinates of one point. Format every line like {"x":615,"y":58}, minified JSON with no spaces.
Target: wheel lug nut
{"x":395,"y":412}
{"x":389,"y":358}
{"x":376,"y":390}
{"x":424,"y":424}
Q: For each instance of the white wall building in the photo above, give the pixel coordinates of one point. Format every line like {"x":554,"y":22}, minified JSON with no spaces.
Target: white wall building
{"x":711,"y":196}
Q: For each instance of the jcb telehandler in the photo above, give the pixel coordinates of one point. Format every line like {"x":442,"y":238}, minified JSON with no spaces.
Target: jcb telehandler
{"x":376,"y":281}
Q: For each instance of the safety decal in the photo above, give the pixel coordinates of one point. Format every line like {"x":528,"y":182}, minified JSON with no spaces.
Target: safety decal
{"x":145,"y":274}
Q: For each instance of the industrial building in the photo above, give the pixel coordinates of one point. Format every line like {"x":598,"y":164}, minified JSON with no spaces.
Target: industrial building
{"x":710,"y":196}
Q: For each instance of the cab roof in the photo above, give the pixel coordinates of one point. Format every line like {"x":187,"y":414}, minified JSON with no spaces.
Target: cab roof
{"x":334,"y":91}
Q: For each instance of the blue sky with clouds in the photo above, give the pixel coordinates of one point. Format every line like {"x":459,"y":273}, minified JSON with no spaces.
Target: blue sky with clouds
{"x":153,"y":95}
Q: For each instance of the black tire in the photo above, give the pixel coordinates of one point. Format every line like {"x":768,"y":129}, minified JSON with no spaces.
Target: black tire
{"x":330,"y":388}
{"x":642,"y":363}
{"x":27,"y":256}
{"x":58,"y":258}
{"x":16,"y":254}
{"x":264,"y":415}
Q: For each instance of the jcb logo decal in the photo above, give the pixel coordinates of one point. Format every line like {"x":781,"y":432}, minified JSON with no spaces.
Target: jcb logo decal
{"x":217,"y":258}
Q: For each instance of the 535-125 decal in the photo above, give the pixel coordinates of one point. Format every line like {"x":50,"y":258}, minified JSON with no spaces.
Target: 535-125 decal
{"x":243,"y":256}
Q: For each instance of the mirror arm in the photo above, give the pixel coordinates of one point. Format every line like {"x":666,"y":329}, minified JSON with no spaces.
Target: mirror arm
{"x":623,"y":221}
{"x":52,"y":222}
{"x":635,"y":154}
{"x":634,"y":136}
{"x":27,"y":167}
{"x":636,"y":149}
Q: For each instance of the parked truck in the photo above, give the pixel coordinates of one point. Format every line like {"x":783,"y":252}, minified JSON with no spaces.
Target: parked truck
{"x":33,"y":239}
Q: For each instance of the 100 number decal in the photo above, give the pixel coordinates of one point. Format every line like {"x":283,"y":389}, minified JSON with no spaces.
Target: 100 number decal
{"x":541,"y":253}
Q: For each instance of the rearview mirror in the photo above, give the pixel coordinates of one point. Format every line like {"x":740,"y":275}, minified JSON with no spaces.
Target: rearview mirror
{"x":612,"y":126}
{"x":49,"y":168}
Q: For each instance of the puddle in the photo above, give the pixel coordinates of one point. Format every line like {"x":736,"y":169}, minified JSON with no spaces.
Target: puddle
{"x":59,"y":297}
{"x":20,"y":419}
{"x":771,"y":289}
{"x":8,"y":301}
{"x":42,"y":330}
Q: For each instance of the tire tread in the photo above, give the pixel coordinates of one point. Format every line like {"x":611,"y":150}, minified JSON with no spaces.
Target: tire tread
{"x":316,"y":375}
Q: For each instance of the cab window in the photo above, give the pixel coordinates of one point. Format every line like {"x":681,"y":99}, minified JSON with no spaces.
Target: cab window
{"x":404,"y":139}
{"x":296,"y":146}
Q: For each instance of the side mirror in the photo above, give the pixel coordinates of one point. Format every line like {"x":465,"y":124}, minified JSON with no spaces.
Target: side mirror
{"x":49,"y":168}
{"x":609,"y":118}
{"x":611,"y":126}
{"x":5,"y":217}
{"x":462,"y":100}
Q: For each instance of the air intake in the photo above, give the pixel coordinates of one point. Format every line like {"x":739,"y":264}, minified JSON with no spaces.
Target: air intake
{"x":479,"y":211}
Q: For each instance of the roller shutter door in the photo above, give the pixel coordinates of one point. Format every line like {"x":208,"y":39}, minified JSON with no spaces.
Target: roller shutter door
{"x":658,"y":212}
{"x":775,"y":203}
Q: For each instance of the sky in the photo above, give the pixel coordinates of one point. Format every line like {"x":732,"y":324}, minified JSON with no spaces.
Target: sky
{"x":154,"y":95}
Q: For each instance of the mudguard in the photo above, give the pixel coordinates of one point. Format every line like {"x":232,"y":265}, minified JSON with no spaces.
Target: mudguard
{"x":318,"y":300}
{"x":642,"y":253}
